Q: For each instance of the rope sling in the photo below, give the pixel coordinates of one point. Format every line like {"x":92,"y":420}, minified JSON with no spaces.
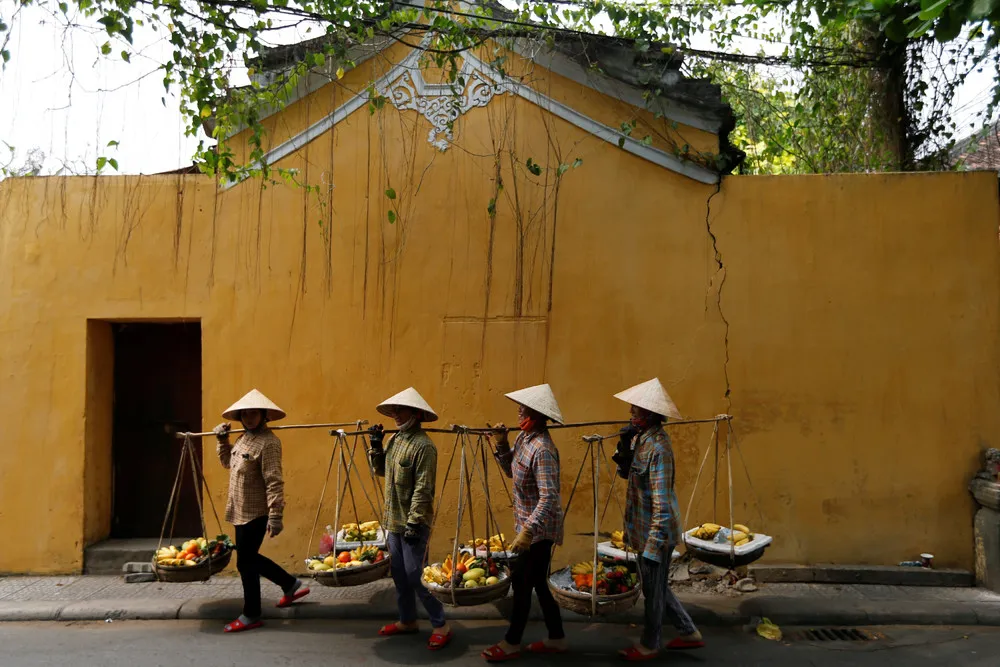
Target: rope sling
{"x":214,"y":563}
{"x":345,"y":455}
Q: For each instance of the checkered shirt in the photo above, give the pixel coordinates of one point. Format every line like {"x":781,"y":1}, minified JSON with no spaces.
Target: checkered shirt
{"x":409,"y":466}
{"x":533,"y":464}
{"x":256,"y":486}
{"x":652,"y":522}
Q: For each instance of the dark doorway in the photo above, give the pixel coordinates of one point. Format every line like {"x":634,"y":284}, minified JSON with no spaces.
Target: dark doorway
{"x":157,"y":392}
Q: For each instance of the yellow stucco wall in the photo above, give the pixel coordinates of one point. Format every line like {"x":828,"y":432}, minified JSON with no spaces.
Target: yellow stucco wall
{"x":856,"y":328}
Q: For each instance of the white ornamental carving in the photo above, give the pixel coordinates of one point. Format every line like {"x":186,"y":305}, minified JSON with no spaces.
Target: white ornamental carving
{"x":441,"y":104}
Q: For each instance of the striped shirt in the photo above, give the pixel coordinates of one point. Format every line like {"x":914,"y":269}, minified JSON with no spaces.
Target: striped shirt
{"x":409,"y":465}
{"x":652,"y":524}
{"x":256,"y":487}
{"x":533,"y":464}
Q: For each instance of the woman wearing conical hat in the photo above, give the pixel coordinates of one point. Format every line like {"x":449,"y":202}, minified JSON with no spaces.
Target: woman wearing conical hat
{"x":409,"y":464}
{"x":652,"y":522}
{"x":533,"y":464}
{"x":256,"y":502}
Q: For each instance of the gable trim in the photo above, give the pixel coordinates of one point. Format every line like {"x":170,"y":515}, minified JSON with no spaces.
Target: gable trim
{"x":655,"y":155}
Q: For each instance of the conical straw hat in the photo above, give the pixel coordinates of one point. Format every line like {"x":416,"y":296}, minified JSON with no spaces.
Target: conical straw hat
{"x":254,"y":400}
{"x":408,"y":398}
{"x":540,"y":399}
{"x":652,"y":396}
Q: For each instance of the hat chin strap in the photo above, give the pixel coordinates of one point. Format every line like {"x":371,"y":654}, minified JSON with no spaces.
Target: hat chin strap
{"x":410,"y":424}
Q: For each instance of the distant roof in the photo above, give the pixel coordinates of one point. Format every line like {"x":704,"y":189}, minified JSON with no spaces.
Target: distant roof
{"x":979,"y":151}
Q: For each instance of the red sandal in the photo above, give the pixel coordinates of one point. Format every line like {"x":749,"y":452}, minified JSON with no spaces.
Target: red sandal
{"x":543,"y":648}
{"x":680,"y":644}
{"x":438,"y":641}
{"x":497,"y":654}
{"x":288,"y":600}
{"x":632,"y":654}
{"x":240,"y":626}
{"x":393,"y":629}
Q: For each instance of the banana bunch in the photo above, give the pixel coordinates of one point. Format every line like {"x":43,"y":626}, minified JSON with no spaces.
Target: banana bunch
{"x":740,"y":534}
{"x":435,"y":574}
{"x":586,"y":568}
{"x":495,"y":543}
{"x":707,"y":531}
{"x":618,"y":539}
{"x":358,"y":532}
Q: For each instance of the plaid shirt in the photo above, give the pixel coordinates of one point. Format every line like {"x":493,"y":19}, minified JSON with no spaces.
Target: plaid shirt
{"x":409,"y":465}
{"x":256,"y":487}
{"x":533,"y":464}
{"x":652,"y":524}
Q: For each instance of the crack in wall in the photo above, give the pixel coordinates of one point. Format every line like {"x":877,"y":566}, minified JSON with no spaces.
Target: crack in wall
{"x":721,"y":269}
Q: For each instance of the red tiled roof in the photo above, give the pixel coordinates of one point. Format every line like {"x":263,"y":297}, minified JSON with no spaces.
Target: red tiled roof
{"x":981,"y":151}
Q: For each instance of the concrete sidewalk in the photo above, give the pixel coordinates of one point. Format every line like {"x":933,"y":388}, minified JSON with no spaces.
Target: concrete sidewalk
{"x":89,"y":598}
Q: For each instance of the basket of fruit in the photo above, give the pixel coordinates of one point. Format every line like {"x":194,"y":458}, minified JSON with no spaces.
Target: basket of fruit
{"x":473,"y":580}
{"x":195,"y":560}
{"x":573,"y":588}
{"x":495,"y":547}
{"x":720,"y":546}
{"x":350,"y":568}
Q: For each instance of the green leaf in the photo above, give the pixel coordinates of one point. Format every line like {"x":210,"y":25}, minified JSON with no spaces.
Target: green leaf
{"x":533,"y":167}
{"x":5,"y":54}
{"x":563,"y":168}
{"x":931,"y":9}
{"x":577,"y":162}
{"x":390,"y":193}
{"x":112,"y":144}
{"x":105,"y":48}
{"x":983,"y":8}
{"x":114,"y":163}
{"x":126,"y":57}
{"x":101,"y":162}
{"x":392,"y":216}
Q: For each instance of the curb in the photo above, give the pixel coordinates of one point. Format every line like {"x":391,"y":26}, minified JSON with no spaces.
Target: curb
{"x":885,"y":575}
{"x":783,"y":611}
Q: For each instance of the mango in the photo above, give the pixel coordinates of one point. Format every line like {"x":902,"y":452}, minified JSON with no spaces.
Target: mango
{"x":475,"y":574}
{"x":492,"y":580}
{"x":330,"y":560}
{"x":472,"y":583}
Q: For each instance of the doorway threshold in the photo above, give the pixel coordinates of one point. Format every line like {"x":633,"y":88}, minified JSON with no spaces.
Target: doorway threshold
{"x":109,"y":556}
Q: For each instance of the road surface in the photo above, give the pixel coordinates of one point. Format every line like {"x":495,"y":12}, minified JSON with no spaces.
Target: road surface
{"x":331,"y":643}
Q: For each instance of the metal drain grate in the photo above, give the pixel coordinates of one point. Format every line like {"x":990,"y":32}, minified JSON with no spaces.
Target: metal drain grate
{"x":834,"y":635}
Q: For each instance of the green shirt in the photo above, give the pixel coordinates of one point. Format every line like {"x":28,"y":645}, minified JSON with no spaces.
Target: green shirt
{"x":409,"y":466}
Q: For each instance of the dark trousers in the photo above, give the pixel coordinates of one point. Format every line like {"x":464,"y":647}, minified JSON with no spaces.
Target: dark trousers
{"x":252,"y":566}
{"x":407,"y":568}
{"x":530,"y":571}
{"x":660,"y":602}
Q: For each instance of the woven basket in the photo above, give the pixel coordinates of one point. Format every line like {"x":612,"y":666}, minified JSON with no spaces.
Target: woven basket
{"x":201,"y":572}
{"x":607,"y":605}
{"x":354,"y":576}
{"x":986,"y":493}
{"x":468,"y":597}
